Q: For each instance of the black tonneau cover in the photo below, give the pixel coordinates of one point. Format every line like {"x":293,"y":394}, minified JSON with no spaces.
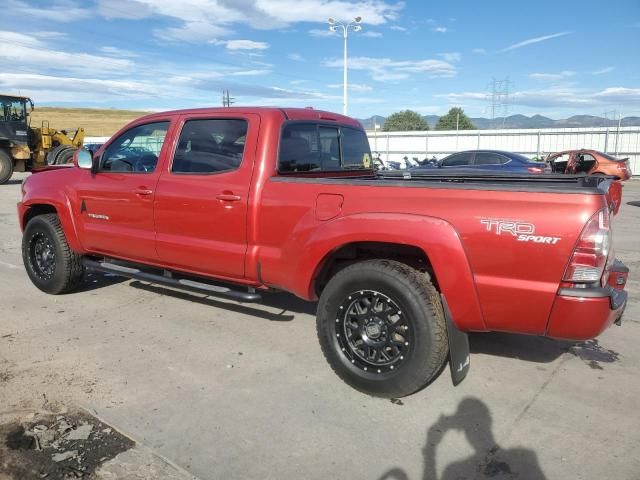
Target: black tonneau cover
{"x":473,"y":180}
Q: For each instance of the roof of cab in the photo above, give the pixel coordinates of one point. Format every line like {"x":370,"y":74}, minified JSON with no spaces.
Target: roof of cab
{"x":289,"y":113}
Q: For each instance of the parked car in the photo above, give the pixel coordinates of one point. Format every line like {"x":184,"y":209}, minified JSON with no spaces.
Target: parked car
{"x":497,"y":160}
{"x":591,"y":162}
{"x":237,"y":201}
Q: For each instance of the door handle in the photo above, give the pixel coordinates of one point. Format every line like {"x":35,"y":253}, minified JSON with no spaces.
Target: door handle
{"x":228,"y":197}
{"x":142,"y":191}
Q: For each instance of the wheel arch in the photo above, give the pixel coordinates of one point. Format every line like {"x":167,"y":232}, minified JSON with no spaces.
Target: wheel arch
{"x":35,"y":209}
{"x":427,"y":243}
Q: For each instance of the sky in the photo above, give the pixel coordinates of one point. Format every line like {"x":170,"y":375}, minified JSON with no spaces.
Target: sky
{"x":561,"y":58}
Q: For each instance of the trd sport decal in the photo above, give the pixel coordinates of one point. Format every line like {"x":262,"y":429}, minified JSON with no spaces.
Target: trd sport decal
{"x":523,"y":231}
{"x":83,"y":209}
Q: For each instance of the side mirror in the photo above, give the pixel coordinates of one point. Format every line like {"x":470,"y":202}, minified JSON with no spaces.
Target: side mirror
{"x":83,"y":159}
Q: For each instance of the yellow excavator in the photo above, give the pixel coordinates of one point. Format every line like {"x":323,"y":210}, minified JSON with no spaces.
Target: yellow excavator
{"x":23,"y":148}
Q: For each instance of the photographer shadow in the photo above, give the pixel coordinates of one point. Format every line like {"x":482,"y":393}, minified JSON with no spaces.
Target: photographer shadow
{"x":489,"y":460}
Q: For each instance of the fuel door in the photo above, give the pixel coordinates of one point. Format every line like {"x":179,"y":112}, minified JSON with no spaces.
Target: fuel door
{"x":328,"y":206}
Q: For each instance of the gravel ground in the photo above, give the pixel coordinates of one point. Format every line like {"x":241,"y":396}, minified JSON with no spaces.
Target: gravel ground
{"x":223,"y":390}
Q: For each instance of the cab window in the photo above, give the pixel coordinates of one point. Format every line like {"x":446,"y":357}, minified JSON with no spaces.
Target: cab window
{"x":137,"y":150}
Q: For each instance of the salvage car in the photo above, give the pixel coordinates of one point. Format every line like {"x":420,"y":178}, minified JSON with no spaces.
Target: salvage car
{"x":591,"y":162}
{"x":236,"y":202}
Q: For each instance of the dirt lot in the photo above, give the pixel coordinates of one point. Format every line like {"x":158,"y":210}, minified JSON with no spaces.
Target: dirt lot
{"x":225,"y":390}
{"x":96,"y":122}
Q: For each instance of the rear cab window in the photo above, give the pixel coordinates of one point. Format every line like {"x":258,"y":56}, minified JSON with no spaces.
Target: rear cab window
{"x":311,"y":147}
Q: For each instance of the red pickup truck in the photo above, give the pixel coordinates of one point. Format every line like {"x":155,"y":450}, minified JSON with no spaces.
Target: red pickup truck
{"x":237,"y":201}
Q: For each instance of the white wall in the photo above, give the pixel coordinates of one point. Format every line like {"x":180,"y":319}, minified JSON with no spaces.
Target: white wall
{"x":529,"y":142}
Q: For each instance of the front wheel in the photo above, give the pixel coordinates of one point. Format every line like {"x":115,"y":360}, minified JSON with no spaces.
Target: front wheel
{"x":6,"y":167}
{"x":51,"y":265}
{"x":381,"y":327}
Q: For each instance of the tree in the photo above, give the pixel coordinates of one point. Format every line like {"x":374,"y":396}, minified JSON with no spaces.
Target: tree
{"x":455,"y":116}
{"x":404,"y":121}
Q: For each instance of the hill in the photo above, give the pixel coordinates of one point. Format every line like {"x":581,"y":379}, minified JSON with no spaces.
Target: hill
{"x":96,"y":122}
{"x":523,"y":121}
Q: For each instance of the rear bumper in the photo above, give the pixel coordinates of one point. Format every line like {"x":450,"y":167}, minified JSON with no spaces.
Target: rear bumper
{"x":584,"y":313}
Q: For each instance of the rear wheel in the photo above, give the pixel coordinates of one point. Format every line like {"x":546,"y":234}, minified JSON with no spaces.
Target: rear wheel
{"x":51,"y":265}
{"x":6,"y":167}
{"x":381,"y":328}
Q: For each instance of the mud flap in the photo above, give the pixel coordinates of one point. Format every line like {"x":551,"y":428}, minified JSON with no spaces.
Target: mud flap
{"x":459,"y":354}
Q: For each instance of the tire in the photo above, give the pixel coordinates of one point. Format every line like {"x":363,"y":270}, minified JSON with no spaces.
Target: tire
{"x":409,"y":345}
{"x":6,"y":167}
{"x":60,"y":155}
{"x":51,"y":265}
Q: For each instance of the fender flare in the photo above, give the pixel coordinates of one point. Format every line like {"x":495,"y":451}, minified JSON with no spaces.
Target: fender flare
{"x":437,"y":238}
{"x":65,"y":214}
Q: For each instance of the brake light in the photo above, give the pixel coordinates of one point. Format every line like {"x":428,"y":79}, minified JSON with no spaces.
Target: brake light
{"x":589,"y":257}
{"x":535,"y":170}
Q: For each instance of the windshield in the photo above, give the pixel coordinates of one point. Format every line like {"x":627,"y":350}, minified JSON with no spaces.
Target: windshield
{"x":12,"y":110}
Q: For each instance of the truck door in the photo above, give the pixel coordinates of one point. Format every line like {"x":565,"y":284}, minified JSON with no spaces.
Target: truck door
{"x":116,"y":203}
{"x":201,"y":199}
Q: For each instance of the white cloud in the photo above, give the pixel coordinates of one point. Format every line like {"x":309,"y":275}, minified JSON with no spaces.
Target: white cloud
{"x":531,"y":41}
{"x":296,"y":57}
{"x":56,"y":11}
{"x":480,"y":51}
{"x":356,"y":87}
{"x":251,"y":73}
{"x":51,"y":88}
{"x":27,"y":51}
{"x":602,"y":71}
{"x":48,"y":35}
{"x":118,"y":52}
{"x":246,"y":45}
{"x":386,"y":69}
{"x":552,"y":76}
{"x":203,"y":20}
{"x":371,"y":34}
{"x":451,"y":56}
{"x":398,"y":28}
{"x":440,"y":29}
{"x":321,"y":32}
{"x":193,"y":31}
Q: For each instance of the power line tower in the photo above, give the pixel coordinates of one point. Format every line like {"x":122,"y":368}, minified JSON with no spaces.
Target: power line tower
{"x":499,"y":100}
{"x":610,"y":117}
{"x":227,"y":100}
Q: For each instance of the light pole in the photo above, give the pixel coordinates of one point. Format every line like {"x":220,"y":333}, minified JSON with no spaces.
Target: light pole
{"x":333,"y":26}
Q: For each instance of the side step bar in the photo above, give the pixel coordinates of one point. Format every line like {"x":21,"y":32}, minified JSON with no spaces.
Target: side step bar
{"x":168,"y":280}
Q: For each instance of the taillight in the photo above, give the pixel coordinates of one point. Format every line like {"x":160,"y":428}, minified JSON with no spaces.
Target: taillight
{"x":535,"y":169}
{"x":589,"y":258}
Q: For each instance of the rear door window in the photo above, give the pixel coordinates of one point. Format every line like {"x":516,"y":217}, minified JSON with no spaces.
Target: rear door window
{"x":310,"y":147}
{"x":458,"y":160}
{"x":210,"y":146}
{"x":490,"y":158}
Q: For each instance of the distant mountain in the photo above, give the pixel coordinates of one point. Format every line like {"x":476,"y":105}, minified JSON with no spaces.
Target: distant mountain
{"x":522,"y":121}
